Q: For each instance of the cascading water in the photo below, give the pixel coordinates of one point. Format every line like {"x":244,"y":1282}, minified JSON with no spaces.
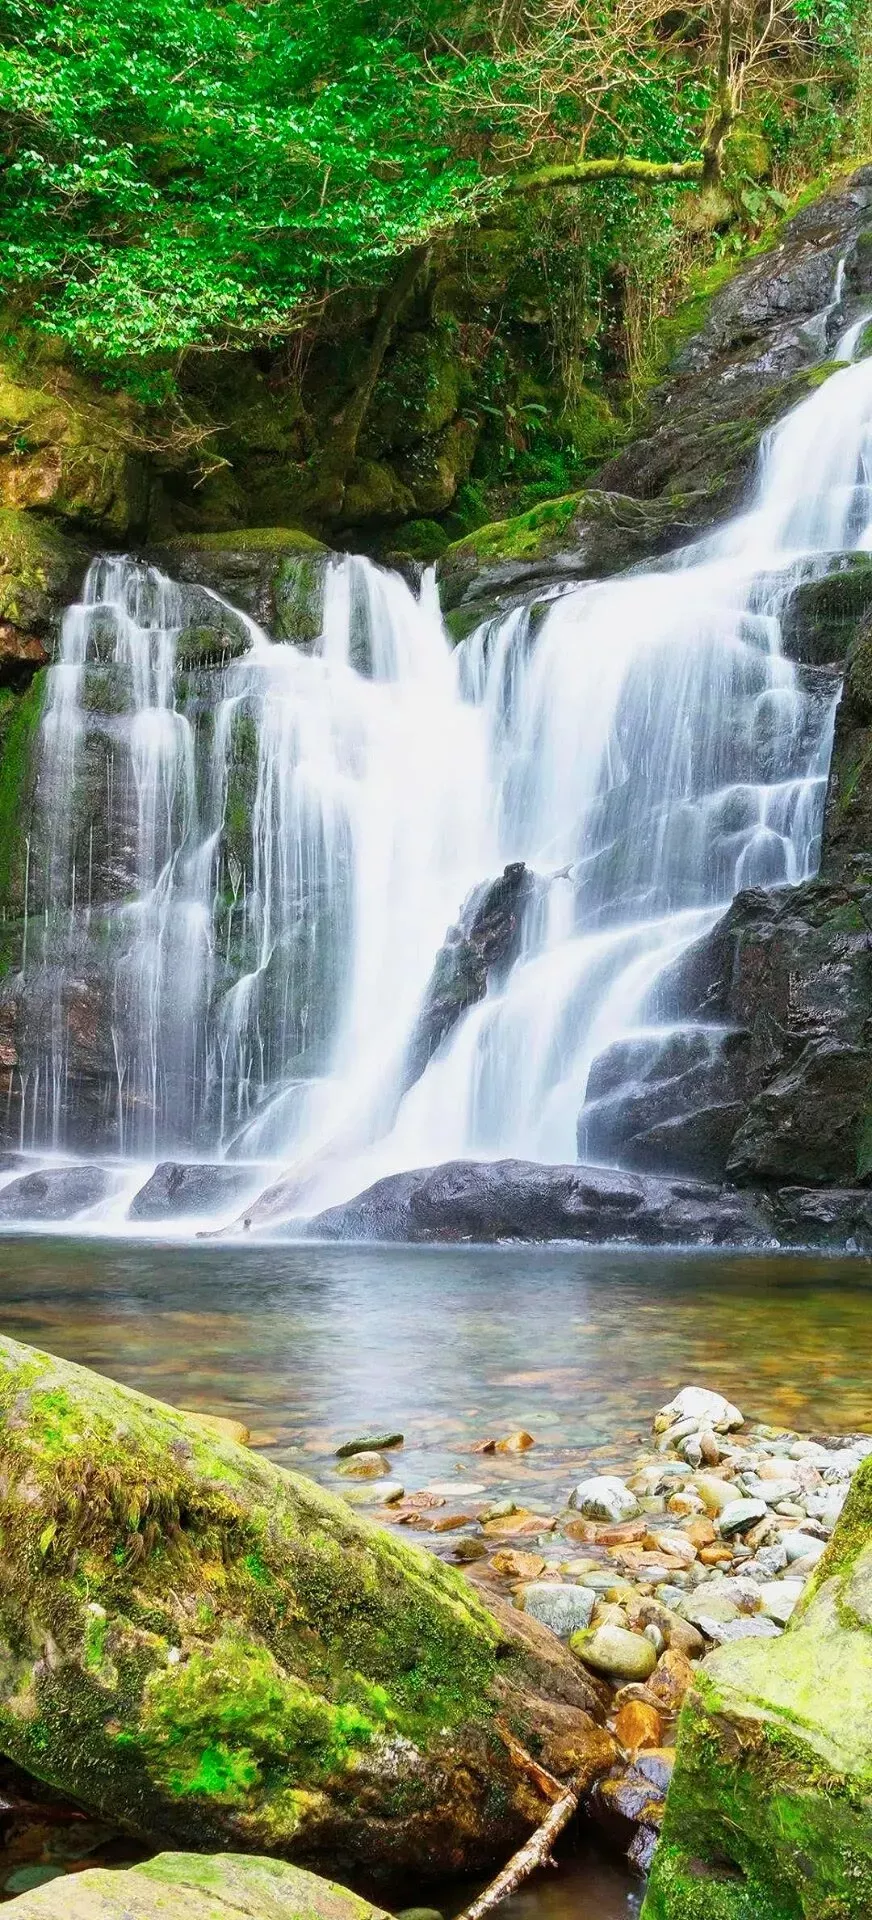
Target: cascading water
{"x":245,"y":870}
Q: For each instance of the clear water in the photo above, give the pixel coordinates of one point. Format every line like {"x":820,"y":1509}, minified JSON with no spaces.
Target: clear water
{"x":310,"y":1345}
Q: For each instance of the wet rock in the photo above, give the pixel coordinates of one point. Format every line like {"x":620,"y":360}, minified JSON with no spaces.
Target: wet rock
{"x":638,"y":1726}
{"x":219,"y":1424}
{"x":276,"y":574}
{"x":669,"y":1683}
{"x":364,"y":1466}
{"x":616,"y":1652}
{"x":179,"y":1187}
{"x":564,"y":1609}
{"x":716,"y":1493}
{"x":202,"y":1886}
{"x":522,"y":1200}
{"x":604,"y":1498}
{"x":56,"y":1193}
{"x":477,"y":952}
{"x":369,"y":1443}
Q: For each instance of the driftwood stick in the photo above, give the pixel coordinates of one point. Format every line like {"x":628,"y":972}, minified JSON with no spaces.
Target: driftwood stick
{"x":536,"y":1852}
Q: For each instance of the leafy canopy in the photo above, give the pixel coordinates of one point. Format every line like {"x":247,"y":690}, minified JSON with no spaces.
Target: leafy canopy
{"x":208,"y":172}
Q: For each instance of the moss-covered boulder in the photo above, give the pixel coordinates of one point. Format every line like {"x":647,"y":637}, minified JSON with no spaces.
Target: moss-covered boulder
{"x":202,"y":1887}
{"x":276,"y":574}
{"x":70,"y":449}
{"x":40,"y":572}
{"x":212,"y":1651}
{"x":586,"y":535}
{"x":769,"y":1814}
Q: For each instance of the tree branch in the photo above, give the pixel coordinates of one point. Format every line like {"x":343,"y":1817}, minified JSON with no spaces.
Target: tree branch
{"x":579,"y":173}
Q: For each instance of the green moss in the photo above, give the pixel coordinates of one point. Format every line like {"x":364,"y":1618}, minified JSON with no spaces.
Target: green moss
{"x":525,"y":537}
{"x":18,"y":753}
{"x":229,"y":1636}
{"x":247,"y":539}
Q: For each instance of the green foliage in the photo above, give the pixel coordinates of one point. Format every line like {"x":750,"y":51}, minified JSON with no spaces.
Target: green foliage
{"x":189,"y":173}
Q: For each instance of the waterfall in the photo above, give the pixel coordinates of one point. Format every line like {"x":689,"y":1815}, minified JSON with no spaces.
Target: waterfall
{"x":247,"y":868}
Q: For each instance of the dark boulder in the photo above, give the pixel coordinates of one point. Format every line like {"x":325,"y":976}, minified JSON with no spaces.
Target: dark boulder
{"x":179,"y":1187}
{"x":480,"y":948}
{"x":789,"y":973}
{"x":521,"y":1200}
{"x":822,"y":618}
{"x":56,"y":1193}
{"x":666,"y":1103}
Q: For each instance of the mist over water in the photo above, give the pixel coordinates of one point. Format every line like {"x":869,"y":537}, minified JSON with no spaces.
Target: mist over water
{"x":278,"y":845}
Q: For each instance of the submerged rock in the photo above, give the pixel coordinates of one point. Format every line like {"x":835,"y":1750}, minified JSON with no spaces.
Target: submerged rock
{"x":201,"y":1886}
{"x":206,"y":1648}
{"x":767,"y":1816}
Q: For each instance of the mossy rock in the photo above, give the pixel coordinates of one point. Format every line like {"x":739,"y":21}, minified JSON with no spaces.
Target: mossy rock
{"x":768,"y":1814}
{"x":70,"y":449}
{"x":200,"y":1886}
{"x":210,"y":1650}
{"x":585,"y":535}
{"x":41,"y":570}
{"x":275,"y":574}
{"x":822,"y":617}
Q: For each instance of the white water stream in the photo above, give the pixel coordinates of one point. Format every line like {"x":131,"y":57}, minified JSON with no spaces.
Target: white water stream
{"x":286,"y":839}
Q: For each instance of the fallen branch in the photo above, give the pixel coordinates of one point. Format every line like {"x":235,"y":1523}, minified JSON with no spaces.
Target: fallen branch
{"x":536,"y":1852}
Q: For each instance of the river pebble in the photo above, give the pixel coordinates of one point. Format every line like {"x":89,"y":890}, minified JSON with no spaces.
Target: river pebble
{"x":604,"y":1498}
{"x":564,"y":1609}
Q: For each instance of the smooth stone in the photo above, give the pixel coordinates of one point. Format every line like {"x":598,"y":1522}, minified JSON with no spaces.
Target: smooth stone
{"x":740,"y":1515}
{"x":605,"y":1497}
{"x":705,"y":1408}
{"x":804,"y":1546}
{"x":220,"y":1425}
{"x":369,"y":1443}
{"x":566,"y":1610}
{"x":714,"y":1492}
{"x":753,"y":1626}
{"x":377,"y":1493}
{"x":455,"y":1489}
{"x":779,"y":1597}
{"x":616,"y":1652}
{"x":364,"y":1466}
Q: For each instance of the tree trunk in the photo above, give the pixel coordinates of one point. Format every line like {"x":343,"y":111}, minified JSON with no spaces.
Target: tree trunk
{"x":725,"y":109}
{"x":339,"y":452}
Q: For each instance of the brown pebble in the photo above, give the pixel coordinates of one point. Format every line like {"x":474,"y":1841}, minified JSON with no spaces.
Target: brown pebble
{"x":638,"y":1726}
{"x":450,"y":1522}
{"x":700,"y":1533}
{"x":516,"y":1442}
{"x":514,"y":1564}
{"x":709,"y":1448}
{"x":671,"y":1678}
{"x":715,"y":1556}
{"x":623,"y":1533}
